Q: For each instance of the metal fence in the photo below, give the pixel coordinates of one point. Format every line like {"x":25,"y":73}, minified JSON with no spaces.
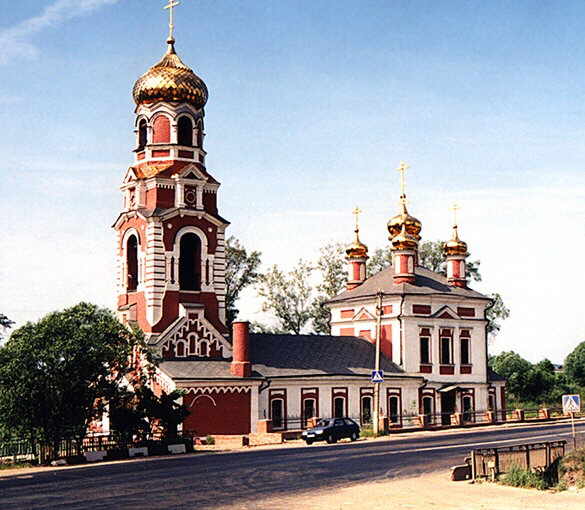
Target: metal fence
{"x":30,"y":450}
{"x":491,"y":462}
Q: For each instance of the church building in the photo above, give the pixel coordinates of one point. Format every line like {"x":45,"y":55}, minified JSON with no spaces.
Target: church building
{"x":171,"y":283}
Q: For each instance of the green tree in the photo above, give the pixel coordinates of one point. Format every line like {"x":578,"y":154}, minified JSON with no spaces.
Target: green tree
{"x":380,"y":260}
{"x":333,"y":272}
{"x":432,"y":256}
{"x":496,"y":312}
{"x":5,"y":323}
{"x":55,"y":372}
{"x":287,"y":296}
{"x":574,"y":366}
{"x":241,"y":271}
{"x":515,"y":369}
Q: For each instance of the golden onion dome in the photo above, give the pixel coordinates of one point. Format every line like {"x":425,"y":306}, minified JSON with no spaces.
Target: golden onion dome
{"x":171,"y":81}
{"x":455,"y":246}
{"x":357,"y":249}
{"x":405,"y":240}
{"x":410,"y":223}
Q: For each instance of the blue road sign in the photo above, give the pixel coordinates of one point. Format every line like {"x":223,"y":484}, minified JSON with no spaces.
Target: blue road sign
{"x":377,"y":376}
{"x":571,"y":404}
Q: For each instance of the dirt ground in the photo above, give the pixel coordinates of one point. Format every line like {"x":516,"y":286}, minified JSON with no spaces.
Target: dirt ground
{"x":434,"y":491}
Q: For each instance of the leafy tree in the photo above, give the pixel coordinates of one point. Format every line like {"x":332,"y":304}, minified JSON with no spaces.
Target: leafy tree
{"x":495,"y":313}
{"x":54,"y":371}
{"x":5,"y":323}
{"x":241,"y":271}
{"x":378,"y":261}
{"x":575,"y":365}
{"x":515,"y":369}
{"x":332,"y":268}
{"x":287,"y":296}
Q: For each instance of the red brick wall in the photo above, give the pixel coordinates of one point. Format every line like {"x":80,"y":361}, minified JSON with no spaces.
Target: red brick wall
{"x":218,"y":413}
{"x":162,"y":130}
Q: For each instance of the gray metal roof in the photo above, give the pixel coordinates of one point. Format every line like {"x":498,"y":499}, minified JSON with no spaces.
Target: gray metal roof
{"x":426,"y":282}
{"x":293,"y":356}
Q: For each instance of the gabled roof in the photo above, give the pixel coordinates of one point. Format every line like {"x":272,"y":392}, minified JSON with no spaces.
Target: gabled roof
{"x":426,"y":282}
{"x":294,"y":356}
{"x":169,"y":168}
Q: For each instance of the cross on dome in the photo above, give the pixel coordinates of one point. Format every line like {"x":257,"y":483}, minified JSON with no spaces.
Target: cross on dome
{"x":356,"y":212}
{"x":171,"y":8}
{"x":455,"y":207}
{"x":402,"y":168}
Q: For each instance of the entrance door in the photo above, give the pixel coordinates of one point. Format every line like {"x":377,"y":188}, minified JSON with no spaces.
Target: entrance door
{"x":277,"y":413}
{"x":308,"y":410}
{"x":447,"y":407}
{"x":339,"y":407}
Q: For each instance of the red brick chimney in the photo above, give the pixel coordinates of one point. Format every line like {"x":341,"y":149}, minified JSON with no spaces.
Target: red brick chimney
{"x":241,"y":366}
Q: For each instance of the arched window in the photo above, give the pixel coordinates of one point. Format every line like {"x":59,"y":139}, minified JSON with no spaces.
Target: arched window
{"x":200,"y":134}
{"x":162,"y":130}
{"x":132,"y":263}
{"x":366,"y":410}
{"x":190,"y":263}
{"x":277,"y":413}
{"x":203,"y":349}
{"x":142,"y":131}
{"x":467,"y":408}
{"x":185,"y":136}
{"x":180,"y":349}
{"x":394,"y":409}
{"x":339,"y":407}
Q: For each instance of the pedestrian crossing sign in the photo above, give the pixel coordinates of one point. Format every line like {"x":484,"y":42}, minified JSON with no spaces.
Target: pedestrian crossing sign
{"x":377,"y":376}
{"x":571,"y":404}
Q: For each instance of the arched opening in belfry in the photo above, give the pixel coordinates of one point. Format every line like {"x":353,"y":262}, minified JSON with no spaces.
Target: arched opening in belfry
{"x":162,"y":130}
{"x":190,"y":262}
{"x":185,"y":128}
{"x":200,"y":134}
{"x":142,"y":131}
{"x":132,"y":263}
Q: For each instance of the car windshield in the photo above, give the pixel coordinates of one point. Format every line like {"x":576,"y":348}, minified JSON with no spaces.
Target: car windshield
{"x":323,"y":423}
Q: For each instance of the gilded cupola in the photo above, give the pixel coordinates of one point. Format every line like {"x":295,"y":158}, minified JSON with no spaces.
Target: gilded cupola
{"x":403,"y":224}
{"x":170,"y":81}
{"x":357,"y":249}
{"x":455,"y":246}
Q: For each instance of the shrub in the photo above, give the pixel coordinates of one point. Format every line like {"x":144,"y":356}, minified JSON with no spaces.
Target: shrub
{"x":572,"y":468}
{"x":209,"y":440}
{"x":520,"y":477}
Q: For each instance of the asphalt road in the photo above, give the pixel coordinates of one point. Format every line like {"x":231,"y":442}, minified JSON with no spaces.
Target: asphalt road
{"x":214,"y":480}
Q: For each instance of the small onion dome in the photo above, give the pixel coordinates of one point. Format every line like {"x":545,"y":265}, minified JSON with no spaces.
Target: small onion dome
{"x":410,"y":223}
{"x":171,"y":81}
{"x":404,"y":240}
{"x":455,"y":246}
{"x":357,"y":249}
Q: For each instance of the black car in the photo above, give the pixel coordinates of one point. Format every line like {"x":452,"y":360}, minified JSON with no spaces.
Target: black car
{"x":331,"y":430}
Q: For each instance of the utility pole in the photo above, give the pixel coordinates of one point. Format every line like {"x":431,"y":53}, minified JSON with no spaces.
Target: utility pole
{"x":376,"y":413}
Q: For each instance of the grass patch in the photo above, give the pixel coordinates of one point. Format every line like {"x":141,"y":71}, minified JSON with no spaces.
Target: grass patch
{"x":368,"y":431}
{"x":520,"y":477}
{"x":17,"y":465}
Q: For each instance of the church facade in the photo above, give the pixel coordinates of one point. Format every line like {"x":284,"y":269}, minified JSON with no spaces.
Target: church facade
{"x":171,"y":283}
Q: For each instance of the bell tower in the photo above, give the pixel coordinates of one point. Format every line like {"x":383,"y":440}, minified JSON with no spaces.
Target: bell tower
{"x":170,"y":236}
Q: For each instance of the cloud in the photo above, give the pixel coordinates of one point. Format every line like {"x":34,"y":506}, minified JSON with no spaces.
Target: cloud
{"x":15,"y":41}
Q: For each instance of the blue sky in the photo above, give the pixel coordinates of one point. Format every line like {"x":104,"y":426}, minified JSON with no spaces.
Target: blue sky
{"x":312,"y":105}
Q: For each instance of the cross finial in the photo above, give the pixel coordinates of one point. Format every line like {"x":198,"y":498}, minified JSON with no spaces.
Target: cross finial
{"x":356,"y":212}
{"x":171,"y":8}
{"x":402,"y":168}
{"x":455,"y":207}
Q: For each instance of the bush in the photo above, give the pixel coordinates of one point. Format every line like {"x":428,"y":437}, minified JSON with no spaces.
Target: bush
{"x":520,"y":477}
{"x":572,"y":468}
{"x":209,"y":440}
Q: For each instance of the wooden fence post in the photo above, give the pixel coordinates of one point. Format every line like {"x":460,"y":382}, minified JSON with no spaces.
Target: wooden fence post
{"x":527,"y":457}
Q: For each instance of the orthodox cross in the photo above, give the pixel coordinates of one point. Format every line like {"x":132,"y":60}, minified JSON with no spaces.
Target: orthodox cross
{"x":455,"y":207}
{"x":402,"y":169}
{"x":356,"y":212}
{"x":171,"y":7}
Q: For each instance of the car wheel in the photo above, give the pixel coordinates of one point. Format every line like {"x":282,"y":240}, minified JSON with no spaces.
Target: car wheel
{"x":354,"y":436}
{"x":309,"y":441}
{"x":330,"y":439}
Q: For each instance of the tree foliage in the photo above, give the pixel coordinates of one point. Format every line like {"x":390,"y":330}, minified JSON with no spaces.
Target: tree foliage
{"x":5,"y":323}
{"x":496,"y":312}
{"x":54,"y":372}
{"x":288,"y":296}
{"x":241,"y":271}
{"x":575,"y":365}
{"x":331,"y":266}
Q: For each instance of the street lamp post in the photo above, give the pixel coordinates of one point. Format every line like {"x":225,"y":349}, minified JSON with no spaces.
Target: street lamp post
{"x":376,"y":413}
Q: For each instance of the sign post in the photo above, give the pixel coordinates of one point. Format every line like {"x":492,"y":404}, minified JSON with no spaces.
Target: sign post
{"x":377,"y":376}
{"x":572,"y":405}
